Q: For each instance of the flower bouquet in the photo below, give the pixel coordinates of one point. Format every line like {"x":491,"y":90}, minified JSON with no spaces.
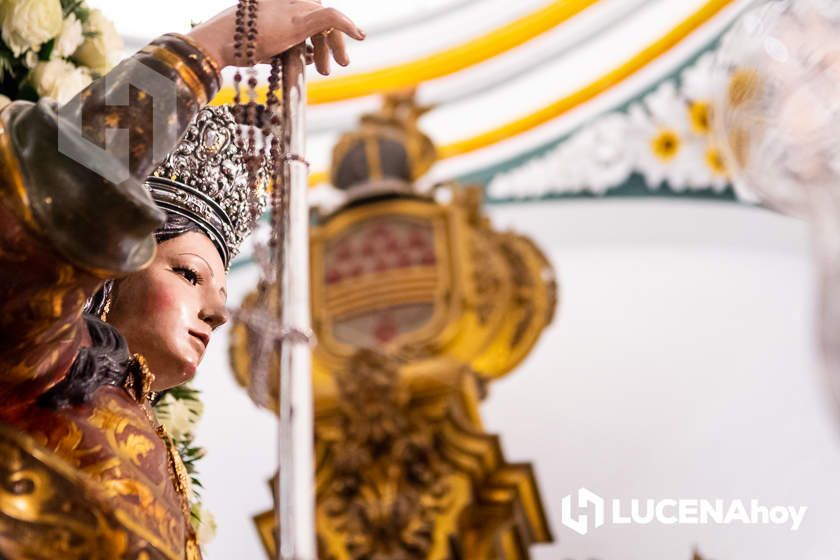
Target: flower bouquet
{"x":53,"y":48}
{"x":179,"y":411}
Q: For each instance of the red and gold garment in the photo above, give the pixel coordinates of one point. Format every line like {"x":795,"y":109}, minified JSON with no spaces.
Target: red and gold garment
{"x":95,"y":480}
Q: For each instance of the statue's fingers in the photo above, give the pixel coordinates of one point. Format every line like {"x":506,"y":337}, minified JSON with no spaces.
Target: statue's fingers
{"x":324,"y":19}
{"x":339,"y":50}
{"x":322,"y":54}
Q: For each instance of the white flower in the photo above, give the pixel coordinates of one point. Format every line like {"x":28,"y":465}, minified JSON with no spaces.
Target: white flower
{"x":602,"y":153}
{"x":594,"y":159}
{"x":28,"y":24}
{"x":666,"y":150}
{"x":522,"y":182}
{"x":713,"y":172}
{"x":563,"y":168}
{"x":100,"y":52}
{"x":71,"y":37}
{"x":59,"y":79}
{"x":500,"y":186}
{"x":206,"y":529}
{"x":179,"y":416}
{"x":537,"y":182}
{"x":30,"y":60}
{"x":698,"y":89}
{"x":697,"y":80}
{"x":4,"y":101}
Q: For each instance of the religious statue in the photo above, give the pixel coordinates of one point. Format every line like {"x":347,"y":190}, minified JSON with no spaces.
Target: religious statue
{"x":86,"y":471}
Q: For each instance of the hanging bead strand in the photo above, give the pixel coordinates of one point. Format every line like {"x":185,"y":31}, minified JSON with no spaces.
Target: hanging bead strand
{"x":238,"y":43}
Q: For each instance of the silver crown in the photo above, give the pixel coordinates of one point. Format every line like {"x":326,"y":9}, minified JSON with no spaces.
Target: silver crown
{"x":205,"y":178}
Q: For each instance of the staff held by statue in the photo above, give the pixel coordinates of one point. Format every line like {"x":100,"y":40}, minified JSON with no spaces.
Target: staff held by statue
{"x":296,"y":487}
{"x":283,"y":326}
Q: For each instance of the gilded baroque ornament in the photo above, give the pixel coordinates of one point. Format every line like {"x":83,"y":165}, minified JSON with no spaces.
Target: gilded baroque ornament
{"x":389,"y":482}
{"x":418,"y":305}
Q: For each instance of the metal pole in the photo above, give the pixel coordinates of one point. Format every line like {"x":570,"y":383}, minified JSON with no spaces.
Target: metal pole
{"x":296,"y":504}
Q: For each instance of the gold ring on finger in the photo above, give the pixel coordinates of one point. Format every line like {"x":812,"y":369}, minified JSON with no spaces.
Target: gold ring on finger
{"x":327,"y":32}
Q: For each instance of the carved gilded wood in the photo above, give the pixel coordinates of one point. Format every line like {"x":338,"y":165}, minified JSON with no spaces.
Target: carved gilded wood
{"x":418,"y":304}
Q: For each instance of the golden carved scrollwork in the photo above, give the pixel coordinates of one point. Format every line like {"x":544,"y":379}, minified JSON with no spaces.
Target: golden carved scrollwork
{"x":48,"y":510}
{"x":386,"y":483}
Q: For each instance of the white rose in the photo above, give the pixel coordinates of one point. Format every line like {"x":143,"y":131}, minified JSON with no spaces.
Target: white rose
{"x":179,"y":417}
{"x":59,"y":79}
{"x":4,"y":101}
{"x":206,"y":530}
{"x":31,"y":59}
{"x":100,"y":52}
{"x":28,"y":24}
{"x":71,"y":37}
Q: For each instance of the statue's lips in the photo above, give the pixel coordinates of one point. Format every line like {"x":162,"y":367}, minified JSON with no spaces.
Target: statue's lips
{"x":201,"y":339}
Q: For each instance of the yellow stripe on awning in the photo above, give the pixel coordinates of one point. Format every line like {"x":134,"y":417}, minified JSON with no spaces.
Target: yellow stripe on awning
{"x":565,"y":104}
{"x":437,"y":65}
{"x":591,"y":90}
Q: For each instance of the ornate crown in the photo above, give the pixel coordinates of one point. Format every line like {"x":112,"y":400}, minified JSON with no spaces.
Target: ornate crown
{"x":387,"y":150}
{"x":205,"y":178}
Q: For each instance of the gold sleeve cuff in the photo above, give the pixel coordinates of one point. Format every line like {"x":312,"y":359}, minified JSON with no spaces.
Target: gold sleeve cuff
{"x":198,"y":69}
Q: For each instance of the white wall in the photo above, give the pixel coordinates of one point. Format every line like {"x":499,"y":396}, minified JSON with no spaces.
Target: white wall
{"x":680,"y":365}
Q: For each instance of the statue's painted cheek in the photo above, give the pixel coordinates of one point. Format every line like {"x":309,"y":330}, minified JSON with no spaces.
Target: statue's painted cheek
{"x":161,"y":300}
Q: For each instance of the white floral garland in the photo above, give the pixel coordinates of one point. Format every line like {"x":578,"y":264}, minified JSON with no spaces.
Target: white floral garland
{"x":665,"y":137}
{"x":179,"y":411}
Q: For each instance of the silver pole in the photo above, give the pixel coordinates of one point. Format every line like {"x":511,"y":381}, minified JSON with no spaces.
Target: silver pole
{"x":296,"y":492}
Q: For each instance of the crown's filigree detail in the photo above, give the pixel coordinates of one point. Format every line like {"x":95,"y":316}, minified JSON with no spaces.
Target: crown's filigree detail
{"x":205,"y":178}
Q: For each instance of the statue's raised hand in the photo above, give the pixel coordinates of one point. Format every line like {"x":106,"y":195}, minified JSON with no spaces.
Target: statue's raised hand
{"x":282,"y":24}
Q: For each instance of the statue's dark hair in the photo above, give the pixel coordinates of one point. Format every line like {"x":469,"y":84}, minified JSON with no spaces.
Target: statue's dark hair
{"x":175,"y":225}
{"x":105,"y":361}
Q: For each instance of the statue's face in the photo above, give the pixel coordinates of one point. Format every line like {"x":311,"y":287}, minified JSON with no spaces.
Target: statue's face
{"x":168,"y":311}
